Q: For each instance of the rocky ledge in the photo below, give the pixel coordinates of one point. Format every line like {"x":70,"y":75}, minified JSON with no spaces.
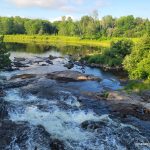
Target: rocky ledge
{"x":124,"y":104}
{"x":70,"y":76}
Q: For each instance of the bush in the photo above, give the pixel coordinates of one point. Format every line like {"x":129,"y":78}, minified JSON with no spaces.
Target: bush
{"x":138,"y":62}
{"x":114,"y":56}
{"x":4,"y":55}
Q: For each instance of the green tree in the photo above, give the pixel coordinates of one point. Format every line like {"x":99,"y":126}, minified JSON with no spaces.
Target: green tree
{"x":115,"y":55}
{"x":4,"y":55}
{"x":138,"y":62}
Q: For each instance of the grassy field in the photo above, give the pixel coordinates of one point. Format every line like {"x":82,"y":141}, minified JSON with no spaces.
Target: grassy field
{"x":57,"y":40}
{"x":54,"y":40}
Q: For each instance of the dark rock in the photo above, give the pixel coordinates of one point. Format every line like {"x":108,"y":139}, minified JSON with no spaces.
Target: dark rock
{"x":19,"y":64}
{"x":69,"y":65}
{"x":43,"y":64}
{"x":52,"y":57}
{"x":49,"y":62}
{"x":71,"y":76}
{"x":11,"y":131}
{"x":92,"y":125}
{"x":12,"y":69}
{"x":3,"y":109}
{"x":17,"y":84}
{"x":2,"y":93}
{"x":56,"y":145}
{"x":125,"y":109}
{"x":146,"y":95}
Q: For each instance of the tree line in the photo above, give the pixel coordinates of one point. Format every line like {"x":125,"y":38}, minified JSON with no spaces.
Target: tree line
{"x":89,"y":27}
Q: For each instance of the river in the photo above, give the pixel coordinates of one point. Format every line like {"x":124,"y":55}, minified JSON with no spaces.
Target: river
{"x":38,"y":113}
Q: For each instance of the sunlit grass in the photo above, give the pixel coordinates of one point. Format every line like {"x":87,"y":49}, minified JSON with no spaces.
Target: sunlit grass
{"x":55,"y":40}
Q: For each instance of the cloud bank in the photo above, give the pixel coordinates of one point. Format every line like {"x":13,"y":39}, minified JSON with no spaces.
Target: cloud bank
{"x":63,"y":5}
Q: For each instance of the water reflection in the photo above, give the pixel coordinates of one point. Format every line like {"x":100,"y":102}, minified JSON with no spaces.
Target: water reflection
{"x":76,"y":51}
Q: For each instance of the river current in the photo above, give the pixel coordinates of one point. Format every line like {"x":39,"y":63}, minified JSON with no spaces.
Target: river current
{"x":47,"y":114}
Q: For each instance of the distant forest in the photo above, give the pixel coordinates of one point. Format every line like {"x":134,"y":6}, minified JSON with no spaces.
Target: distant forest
{"x":89,"y":27}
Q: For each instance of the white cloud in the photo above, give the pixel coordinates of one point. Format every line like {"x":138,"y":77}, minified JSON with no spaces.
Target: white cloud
{"x":60,"y":18}
{"x":63,"y":5}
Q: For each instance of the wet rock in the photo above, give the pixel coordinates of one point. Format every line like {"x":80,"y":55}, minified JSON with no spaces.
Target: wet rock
{"x":146,"y":95}
{"x":18,"y":84}
{"x":6,"y":133}
{"x":44,"y":65}
{"x":2,"y":93}
{"x":107,"y":68}
{"x":52,"y":57}
{"x":3,"y":109}
{"x":125,"y":109}
{"x":69,"y":65}
{"x":19,"y":59}
{"x":19,"y":64}
{"x":10,"y":69}
{"x":92,"y":125}
{"x":12,"y":133}
{"x":56,"y":145}
{"x":49,"y":62}
{"x":71,"y":76}
{"x":23,"y":76}
{"x":21,"y":133}
{"x":118,"y":96}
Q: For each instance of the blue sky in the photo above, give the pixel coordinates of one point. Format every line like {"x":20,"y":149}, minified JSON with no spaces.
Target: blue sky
{"x":54,"y":9}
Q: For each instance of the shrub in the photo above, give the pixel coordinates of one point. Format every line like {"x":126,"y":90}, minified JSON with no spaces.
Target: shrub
{"x":138,"y":62}
{"x":4,"y":55}
{"x":114,"y":55}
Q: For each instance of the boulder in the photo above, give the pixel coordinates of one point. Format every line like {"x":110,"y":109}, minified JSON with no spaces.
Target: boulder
{"x":69,"y":65}
{"x":71,"y":76}
{"x":56,"y":145}
{"x":125,"y":109}
{"x":93,"y":125}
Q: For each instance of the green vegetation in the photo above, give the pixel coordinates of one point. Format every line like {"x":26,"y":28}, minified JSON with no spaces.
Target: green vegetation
{"x":88,"y":27}
{"x":138,"y":65}
{"x":4,"y":55}
{"x":138,"y":62}
{"x":113,"y":56}
{"x":55,"y":40}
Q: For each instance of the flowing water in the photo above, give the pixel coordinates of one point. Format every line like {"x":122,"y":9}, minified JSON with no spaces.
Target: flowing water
{"x":46,"y":114}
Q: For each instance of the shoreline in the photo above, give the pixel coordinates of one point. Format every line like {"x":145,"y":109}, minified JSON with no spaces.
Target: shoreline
{"x":55,"y":40}
{"x":60,"y":40}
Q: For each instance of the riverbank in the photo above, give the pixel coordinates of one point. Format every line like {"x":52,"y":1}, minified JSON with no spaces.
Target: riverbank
{"x":55,"y":40}
{"x":59,"y":40}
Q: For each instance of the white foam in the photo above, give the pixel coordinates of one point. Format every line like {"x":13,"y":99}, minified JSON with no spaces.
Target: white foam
{"x":60,"y":124}
{"x":63,"y":124}
{"x":69,"y":99}
{"x":15,"y":97}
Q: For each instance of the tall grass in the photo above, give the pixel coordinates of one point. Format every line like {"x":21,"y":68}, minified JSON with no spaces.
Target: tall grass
{"x":55,"y":40}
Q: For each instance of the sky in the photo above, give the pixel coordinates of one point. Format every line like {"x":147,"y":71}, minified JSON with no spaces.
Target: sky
{"x":53,"y":9}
